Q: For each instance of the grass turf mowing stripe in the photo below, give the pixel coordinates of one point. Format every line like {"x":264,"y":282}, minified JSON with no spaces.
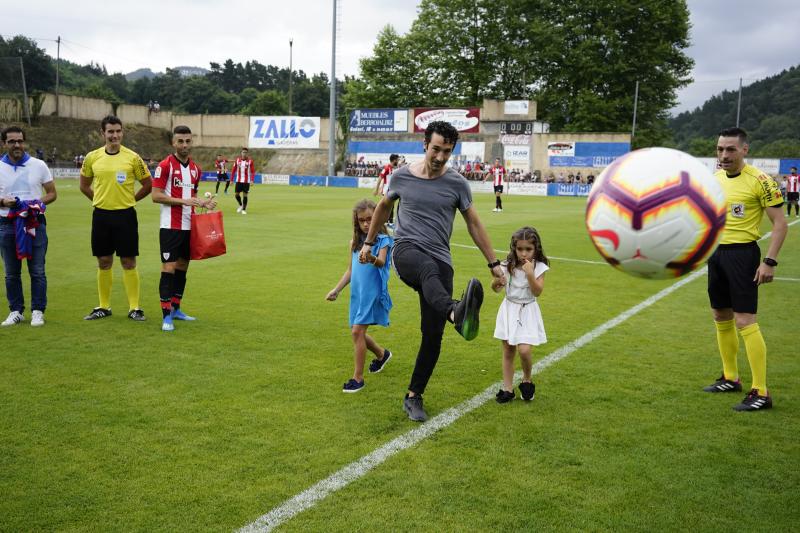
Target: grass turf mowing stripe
{"x":570,"y":260}
{"x":358,"y":469}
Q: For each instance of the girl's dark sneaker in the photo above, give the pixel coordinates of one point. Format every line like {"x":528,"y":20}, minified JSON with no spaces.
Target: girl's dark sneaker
{"x":353,"y":386}
{"x":504,"y":396}
{"x":377,"y":364}
{"x":526,"y":390}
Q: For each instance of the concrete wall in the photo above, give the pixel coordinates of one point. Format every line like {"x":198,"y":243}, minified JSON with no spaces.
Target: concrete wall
{"x":539,"y":159}
{"x":494,"y":111}
{"x":76,"y":107}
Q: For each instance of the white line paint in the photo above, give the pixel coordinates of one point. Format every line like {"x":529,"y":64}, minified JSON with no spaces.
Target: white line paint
{"x":358,"y":469}
{"x":786,"y":279}
{"x":471,"y":247}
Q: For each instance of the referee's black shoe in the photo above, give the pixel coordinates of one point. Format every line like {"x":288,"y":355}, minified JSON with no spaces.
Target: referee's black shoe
{"x":724,"y":385}
{"x":466,"y":313}
{"x":98,"y":313}
{"x":754,"y":402}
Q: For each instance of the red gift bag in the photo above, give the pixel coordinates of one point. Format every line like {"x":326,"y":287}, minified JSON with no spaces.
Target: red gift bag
{"x":208,"y":236}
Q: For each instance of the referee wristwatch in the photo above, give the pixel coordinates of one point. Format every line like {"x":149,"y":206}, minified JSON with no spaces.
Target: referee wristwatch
{"x":770,"y":262}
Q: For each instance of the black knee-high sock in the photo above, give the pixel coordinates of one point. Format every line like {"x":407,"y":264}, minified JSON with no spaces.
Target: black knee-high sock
{"x":227,"y":184}
{"x":165,"y":290}
{"x":244,"y":203}
{"x":499,"y":203}
{"x":239,"y":199}
{"x":177,"y":288}
{"x":217,"y":190}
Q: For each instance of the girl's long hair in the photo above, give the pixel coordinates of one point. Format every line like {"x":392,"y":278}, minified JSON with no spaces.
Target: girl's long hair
{"x":526,"y":234}
{"x":358,"y":236}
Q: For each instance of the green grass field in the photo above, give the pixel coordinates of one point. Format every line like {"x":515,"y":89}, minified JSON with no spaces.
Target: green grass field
{"x":115,"y":426}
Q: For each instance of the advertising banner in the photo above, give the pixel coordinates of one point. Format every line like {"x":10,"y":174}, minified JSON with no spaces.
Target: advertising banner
{"x":517,"y":140}
{"x":284,"y":132}
{"x":378,"y":120}
{"x":527,"y":189}
{"x":465,"y":120}
{"x":515,"y":107}
{"x":585,"y":154}
{"x":517,"y":157}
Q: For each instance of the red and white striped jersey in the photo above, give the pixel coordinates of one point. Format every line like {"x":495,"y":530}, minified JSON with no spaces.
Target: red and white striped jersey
{"x":498,"y":172}
{"x":792,"y":183}
{"x":177,"y":181}
{"x":243,"y":171}
{"x":221,"y":165}
{"x":385,"y":176}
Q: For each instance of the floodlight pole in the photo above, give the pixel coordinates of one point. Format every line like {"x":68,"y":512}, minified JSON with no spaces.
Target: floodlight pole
{"x":635,"y":105}
{"x":739,"y":103}
{"x":58,"y":65}
{"x":25,"y":93}
{"x":332,"y":110}
{"x":290,"y":76}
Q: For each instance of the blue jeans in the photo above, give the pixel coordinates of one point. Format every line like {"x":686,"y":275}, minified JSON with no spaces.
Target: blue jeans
{"x":13,"y":267}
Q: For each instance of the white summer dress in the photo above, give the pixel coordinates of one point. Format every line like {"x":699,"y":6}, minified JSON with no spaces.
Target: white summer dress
{"x":519,"y":319}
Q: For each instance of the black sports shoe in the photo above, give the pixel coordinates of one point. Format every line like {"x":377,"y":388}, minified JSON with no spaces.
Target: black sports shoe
{"x":754,"y":402}
{"x":466,"y":312}
{"x":724,"y":385}
{"x":504,"y":396}
{"x":137,"y":315}
{"x":412,"y":405}
{"x":97,"y":313}
{"x":377,"y":364}
{"x":526,"y":390}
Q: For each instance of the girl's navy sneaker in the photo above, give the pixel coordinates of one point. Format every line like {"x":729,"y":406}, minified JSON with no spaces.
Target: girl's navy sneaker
{"x":353,"y":386}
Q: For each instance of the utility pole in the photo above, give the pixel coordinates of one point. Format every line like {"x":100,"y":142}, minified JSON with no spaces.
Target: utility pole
{"x":26,"y":104}
{"x":635,"y":105}
{"x":290,"y":76}
{"x":739,"y":104}
{"x":332,"y":111}
{"x":58,"y":65}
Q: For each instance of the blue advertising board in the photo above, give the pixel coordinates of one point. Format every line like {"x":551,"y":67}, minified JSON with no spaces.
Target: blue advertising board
{"x":587,"y":154}
{"x":378,"y":120}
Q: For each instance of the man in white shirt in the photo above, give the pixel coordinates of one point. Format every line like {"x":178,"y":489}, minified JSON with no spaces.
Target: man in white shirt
{"x":22,"y":179}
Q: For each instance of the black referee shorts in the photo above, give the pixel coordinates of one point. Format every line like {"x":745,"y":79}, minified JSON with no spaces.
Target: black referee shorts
{"x":115,"y":231}
{"x":731,"y":269}
{"x":222,"y":176}
{"x":242,"y":187}
{"x":174,"y":244}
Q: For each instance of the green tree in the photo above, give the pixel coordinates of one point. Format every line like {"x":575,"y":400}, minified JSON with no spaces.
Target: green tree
{"x":198,"y":95}
{"x":269,"y":102}
{"x":40,"y":72}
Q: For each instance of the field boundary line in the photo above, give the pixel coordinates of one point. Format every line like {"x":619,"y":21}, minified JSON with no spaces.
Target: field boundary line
{"x":361,"y":467}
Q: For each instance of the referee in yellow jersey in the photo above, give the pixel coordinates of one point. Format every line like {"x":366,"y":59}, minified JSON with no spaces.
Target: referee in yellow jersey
{"x":107,"y":179}
{"x":736,"y":269}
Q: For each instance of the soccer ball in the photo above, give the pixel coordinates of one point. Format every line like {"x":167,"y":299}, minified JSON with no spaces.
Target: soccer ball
{"x":656,"y":213}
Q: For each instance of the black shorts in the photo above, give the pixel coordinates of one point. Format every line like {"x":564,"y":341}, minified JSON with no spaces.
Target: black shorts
{"x":793,"y":196}
{"x":498,"y":188}
{"x":115,"y":231}
{"x":222,"y":176}
{"x":242,"y":187}
{"x":174,"y":244}
{"x":731,"y":269}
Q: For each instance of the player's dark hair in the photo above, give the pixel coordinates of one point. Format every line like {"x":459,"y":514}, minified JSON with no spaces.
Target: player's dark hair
{"x":182,"y":130}
{"x":448,"y":132}
{"x":791,"y":168}
{"x":734,"y":132}
{"x":11,"y":129}
{"x":393,"y":158}
{"x":359,"y":236}
{"x":526,"y":233}
{"x":245,"y":149}
{"x":109,"y":119}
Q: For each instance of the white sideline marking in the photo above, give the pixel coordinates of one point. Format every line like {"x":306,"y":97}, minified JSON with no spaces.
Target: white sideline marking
{"x":471,"y":247}
{"x":361,"y":467}
{"x":786,"y":279}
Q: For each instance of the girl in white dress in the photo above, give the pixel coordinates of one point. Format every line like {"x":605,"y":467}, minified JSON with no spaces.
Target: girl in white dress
{"x":519,"y":320}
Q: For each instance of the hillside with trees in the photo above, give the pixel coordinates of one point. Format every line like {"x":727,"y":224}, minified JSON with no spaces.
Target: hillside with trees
{"x":770,"y":112}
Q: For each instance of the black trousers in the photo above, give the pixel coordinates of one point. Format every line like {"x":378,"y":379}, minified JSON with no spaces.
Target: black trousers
{"x":433,"y":280}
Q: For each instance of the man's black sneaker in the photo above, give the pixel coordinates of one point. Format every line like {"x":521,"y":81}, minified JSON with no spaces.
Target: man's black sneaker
{"x":377,"y":364}
{"x":466,"y":312}
{"x":526,"y":390}
{"x":504,"y":396}
{"x":754,"y":402}
{"x":97,"y":313}
{"x":724,"y":385}
{"x":412,"y":405}
{"x":137,"y":315}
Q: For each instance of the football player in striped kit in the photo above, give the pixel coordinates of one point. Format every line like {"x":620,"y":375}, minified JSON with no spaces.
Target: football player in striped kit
{"x":175,"y":188}
{"x":242,"y":174}
{"x":498,"y":175}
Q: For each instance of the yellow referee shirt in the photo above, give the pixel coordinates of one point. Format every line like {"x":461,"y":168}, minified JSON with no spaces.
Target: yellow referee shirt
{"x":113,"y":176}
{"x":748,"y":195}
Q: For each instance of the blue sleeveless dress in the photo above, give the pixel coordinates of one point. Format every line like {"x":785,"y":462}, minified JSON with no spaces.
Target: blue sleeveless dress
{"x":369,"y":287}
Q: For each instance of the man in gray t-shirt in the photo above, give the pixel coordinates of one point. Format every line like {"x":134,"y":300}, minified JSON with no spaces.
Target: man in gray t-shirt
{"x":429,"y":194}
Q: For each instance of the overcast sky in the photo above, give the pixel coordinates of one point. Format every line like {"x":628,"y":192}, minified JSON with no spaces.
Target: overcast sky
{"x":751,"y":39}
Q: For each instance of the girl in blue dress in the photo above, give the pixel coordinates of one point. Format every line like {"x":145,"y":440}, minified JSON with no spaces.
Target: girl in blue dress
{"x":369,"y":293}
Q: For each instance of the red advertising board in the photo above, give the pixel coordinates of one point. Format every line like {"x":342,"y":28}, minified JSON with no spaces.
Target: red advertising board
{"x":466,"y":119}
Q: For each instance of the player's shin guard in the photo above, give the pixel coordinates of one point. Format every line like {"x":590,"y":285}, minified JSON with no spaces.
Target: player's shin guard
{"x":165,"y":291}
{"x":238,"y":198}
{"x":104,"y":280}
{"x":757,"y":355}
{"x":130,"y":278}
{"x":178,"y":286}
{"x":728,"y":342}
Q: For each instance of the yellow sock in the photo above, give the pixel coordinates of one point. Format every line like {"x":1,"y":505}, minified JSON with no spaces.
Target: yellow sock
{"x":757,"y":355}
{"x":104,"y":280}
{"x":728,"y":342}
{"x":130,"y":278}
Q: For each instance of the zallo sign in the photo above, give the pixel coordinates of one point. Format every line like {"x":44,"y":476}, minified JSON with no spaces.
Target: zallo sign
{"x":466,"y":120}
{"x":284,"y":132}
